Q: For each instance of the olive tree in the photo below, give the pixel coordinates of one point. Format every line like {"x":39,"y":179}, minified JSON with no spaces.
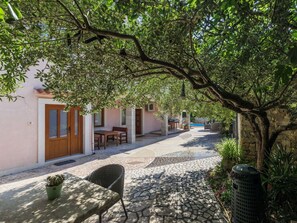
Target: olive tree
{"x":241,"y":54}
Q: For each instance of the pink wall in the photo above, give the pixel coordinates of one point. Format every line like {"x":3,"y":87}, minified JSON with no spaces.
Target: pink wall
{"x":111,"y":118}
{"x":151,"y":123}
{"x":18,"y":126}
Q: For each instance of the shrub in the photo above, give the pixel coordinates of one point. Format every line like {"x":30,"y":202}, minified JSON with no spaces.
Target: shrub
{"x":231,"y":153}
{"x":281,"y":180}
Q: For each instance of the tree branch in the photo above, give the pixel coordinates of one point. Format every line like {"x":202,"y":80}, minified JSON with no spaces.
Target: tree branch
{"x":275,"y":102}
{"x":256,"y":129}
{"x":228,"y":99}
{"x":149,"y":73}
{"x":85,"y":18}
{"x":71,"y":14}
{"x":175,"y":74}
{"x":279,"y":130}
{"x":144,"y":70}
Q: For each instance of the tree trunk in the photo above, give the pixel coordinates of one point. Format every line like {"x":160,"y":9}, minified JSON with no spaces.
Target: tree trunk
{"x":264,"y":149}
{"x":260,"y":125}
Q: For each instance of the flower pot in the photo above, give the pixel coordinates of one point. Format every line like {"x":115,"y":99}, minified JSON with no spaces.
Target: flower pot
{"x":53,"y":192}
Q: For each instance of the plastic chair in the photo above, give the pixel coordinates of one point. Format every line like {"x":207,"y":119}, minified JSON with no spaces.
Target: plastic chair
{"x":111,"y":177}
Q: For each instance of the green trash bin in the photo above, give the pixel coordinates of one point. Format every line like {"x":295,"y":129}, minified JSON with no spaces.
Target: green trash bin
{"x":247,"y":203}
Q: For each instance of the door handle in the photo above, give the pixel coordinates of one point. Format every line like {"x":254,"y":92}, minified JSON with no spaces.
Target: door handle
{"x":69,"y":129}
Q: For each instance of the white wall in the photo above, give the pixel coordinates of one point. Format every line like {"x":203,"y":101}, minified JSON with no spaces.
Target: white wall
{"x":22,"y":128}
{"x":18,"y":126}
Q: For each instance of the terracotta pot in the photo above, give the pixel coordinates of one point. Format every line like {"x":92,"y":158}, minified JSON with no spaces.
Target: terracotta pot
{"x":53,"y":192}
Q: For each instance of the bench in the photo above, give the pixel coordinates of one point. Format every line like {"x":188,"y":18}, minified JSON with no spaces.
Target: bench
{"x":123,"y":134}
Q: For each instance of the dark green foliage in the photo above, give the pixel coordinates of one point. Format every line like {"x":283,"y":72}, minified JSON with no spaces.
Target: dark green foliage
{"x":281,"y":180}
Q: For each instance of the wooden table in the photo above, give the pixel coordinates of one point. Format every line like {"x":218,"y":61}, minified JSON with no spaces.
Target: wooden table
{"x":103,"y":134}
{"x":79,"y":200}
{"x":173,"y":125}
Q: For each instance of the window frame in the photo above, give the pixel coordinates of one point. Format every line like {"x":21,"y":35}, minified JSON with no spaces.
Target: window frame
{"x":121,"y":117}
{"x":102,"y":119}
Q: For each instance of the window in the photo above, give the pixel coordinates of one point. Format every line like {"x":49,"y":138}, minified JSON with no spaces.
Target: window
{"x":123,"y":116}
{"x":99,"y":119}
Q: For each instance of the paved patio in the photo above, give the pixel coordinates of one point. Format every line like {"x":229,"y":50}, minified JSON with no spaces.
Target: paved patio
{"x":164,"y":182}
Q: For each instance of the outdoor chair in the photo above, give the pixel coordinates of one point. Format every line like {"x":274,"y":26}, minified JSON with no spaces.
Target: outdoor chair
{"x":97,"y":141}
{"x":122,"y":134}
{"x":111,"y":177}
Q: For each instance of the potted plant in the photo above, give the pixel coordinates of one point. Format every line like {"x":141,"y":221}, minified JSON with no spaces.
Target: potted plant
{"x":54,"y":186}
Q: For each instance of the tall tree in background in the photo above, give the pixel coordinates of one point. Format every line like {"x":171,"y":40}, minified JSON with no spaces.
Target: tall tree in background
{"x":241,"y":54}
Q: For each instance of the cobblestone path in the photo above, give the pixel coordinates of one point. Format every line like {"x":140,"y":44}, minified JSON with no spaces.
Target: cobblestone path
{"x":164,"y":181}
{"x":169,"y":193}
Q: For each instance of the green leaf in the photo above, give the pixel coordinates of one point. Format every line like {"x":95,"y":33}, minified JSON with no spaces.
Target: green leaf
{"x":293,"y":55}
{"x":294,"y":34}
{"x":282,"y":74}
{"x":12,"y":12}
{"x":17,"y":12}
{"x":2,"y":14}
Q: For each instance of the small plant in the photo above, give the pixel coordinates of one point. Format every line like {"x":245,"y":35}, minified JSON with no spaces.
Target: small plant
{"x":231,"y":153}
{"x":229,"y":149}
{"x":55,"y":180}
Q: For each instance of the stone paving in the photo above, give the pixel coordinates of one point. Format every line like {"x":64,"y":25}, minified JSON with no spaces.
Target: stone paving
{"x":164,"y":181}
{"x":171,"y":193}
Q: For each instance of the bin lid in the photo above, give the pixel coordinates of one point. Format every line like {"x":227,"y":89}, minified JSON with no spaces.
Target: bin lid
{"x":245,"y":169}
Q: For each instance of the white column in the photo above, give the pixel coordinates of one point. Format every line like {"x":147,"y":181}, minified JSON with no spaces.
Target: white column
{"x":164,"y":125}
{"x":181,"y":121}
{"x":188,"y":120}
{"x":130,"y":118}
{"x":88,"y":134}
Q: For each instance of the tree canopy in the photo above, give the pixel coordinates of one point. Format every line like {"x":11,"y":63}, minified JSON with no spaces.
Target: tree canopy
{"x":241,"y":54}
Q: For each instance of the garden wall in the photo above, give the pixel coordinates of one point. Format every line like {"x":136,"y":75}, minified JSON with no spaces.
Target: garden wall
{"x":247,"y":138}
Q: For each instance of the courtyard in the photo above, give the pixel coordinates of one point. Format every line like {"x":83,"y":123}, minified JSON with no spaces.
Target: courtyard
{"x":164,"y":180}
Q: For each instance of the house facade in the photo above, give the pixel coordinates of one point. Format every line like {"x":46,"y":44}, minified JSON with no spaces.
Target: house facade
{"x":36,"y":131}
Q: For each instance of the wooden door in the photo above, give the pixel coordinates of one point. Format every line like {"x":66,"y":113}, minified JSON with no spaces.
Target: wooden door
{"x":63,"y":131}
{"x":138,"y":121}
{"x":76,"y":125}
{"x":56,"y":132}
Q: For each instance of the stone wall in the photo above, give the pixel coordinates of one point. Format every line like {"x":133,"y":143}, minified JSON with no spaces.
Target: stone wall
{"x":247,"y":138}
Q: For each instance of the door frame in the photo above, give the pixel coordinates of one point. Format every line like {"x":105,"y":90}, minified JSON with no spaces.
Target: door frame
{"x":142,"y":120}
{"x":79,"y":136}
{"x":65,"y":140}
{"x":87,"y":133}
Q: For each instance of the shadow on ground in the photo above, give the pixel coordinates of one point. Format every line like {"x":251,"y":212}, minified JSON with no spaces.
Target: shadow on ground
{"x":163,"y":197}
{"x":99,"y":155}
{"x":206,"y":141}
